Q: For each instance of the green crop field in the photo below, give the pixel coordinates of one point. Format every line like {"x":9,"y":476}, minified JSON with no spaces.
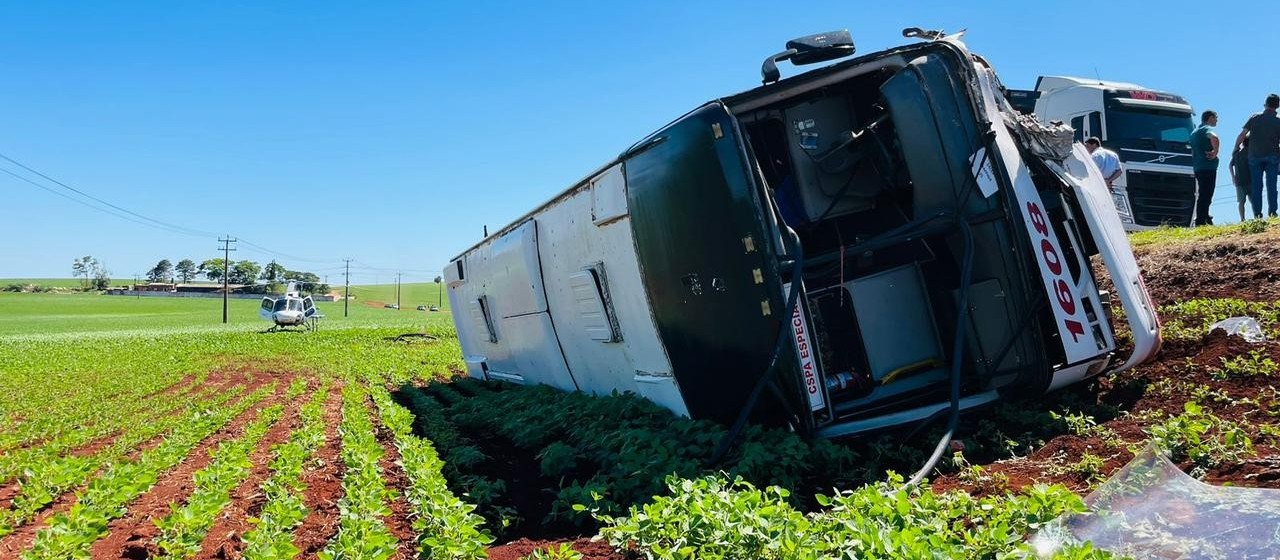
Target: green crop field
{"x":48,"y":314}
{"x":144,"y":427}
{"x":411,"y":294}
{"x":46,"y":282}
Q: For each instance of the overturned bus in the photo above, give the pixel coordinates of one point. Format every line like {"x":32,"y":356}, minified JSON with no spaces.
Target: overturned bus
{"x":877,"y":242}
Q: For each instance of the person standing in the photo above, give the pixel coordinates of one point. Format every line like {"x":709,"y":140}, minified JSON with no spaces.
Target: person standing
{"x":1263,"y":131}
{"x":1108,"y":162}
{"x":1239,"y":169}
{"x":1204,"y":163}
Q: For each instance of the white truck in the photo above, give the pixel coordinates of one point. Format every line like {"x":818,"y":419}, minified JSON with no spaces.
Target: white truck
{"x":1149,"y":129}
{"x":873,"y":243}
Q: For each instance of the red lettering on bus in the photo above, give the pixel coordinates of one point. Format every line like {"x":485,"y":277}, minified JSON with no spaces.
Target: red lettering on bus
{"x":1050,"y":257}
{"x":1037,"y":219}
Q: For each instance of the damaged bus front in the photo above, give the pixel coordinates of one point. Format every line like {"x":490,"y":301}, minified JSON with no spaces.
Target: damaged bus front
{"x":869,"y":244}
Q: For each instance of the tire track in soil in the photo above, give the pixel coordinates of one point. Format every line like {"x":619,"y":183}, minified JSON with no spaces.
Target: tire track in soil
{"x":224,"y":537}
{"x":130,"y":536}
{"x":24,"y":536}
{"x":324,"y":484}
{"x":393,"y":474}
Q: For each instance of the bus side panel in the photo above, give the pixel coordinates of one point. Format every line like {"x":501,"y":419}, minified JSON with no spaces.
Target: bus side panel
{"x":597,"y":299}
{"x":508,"y":331}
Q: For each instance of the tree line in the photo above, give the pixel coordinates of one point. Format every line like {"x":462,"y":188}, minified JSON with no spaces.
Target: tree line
{"x":244,"y":272}
{"x":93,"y":276}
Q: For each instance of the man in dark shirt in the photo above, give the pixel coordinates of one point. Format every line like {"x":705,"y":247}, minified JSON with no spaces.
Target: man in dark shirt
{"x":1263,"y":130}
{"x":1239,"y":169}
{"x":1204,"y":162}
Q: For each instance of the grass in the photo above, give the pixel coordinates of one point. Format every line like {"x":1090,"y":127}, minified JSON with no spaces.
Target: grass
{"x":1167,"y":235}
{"x":78,"y":313}
{"x":411,"y":295}
{"x":70,"y":283}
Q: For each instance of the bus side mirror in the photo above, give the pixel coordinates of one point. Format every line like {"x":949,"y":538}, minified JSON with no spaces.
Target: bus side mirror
{"x":808,"y":50}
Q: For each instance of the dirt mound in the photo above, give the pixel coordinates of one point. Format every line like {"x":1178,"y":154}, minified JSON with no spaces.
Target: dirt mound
{"x":1240,"y":266}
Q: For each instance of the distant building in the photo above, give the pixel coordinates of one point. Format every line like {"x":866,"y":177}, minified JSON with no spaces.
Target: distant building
{"x":154,"y":287}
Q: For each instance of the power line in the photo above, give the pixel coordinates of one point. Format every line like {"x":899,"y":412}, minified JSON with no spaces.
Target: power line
{"x":130,"y":215}
{"x":101,"y":201}
{"x":87,"y":204}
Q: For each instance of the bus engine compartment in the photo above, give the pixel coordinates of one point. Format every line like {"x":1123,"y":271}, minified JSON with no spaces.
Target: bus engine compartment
{"x":878,"y":185}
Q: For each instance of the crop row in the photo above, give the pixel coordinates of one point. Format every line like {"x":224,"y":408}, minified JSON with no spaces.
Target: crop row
{"x":184,"y":528}
{"x":50,"y":387}
{"x":50,"y":436}
{"x":45,"y":480}
{"x":284,"y":510}
{"x":71,"y":534}
{"x":446,"y":526}
{"x":611,"y":451}
{"x":361,"y":532}
{"x":715,"y":518}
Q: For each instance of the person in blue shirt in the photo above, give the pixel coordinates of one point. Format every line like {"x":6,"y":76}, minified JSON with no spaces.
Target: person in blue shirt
{"x":1204,"y":162}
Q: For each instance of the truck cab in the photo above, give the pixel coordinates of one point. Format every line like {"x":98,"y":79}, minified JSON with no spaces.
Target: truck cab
{"x":864,"y":245}
{"x":1150,"y":130}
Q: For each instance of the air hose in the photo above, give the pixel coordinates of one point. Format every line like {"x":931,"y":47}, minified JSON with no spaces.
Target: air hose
{"x":793,"y":295}
{"x":962,"y":313}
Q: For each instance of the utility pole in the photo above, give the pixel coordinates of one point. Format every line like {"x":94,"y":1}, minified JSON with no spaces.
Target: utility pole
{"x":226,"y":268}
{"x":346,"y":300}
{"x":397,"y":291}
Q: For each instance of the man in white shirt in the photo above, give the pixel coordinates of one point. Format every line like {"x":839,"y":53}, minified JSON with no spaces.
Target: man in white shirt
{"x":1108,"y":162}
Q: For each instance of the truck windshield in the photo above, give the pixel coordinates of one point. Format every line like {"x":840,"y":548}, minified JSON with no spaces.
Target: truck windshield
{"x":1156,"y":129}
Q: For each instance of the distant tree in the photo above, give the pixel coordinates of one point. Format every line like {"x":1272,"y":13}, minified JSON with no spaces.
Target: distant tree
{"x":273,"y":273}
{"x":83,"y":268}
{"x":244,"y":272}
{"x":101,"y":277}
{"x":186,"y":270}
{"x":161,"y":272}
{"x":212,"y":269}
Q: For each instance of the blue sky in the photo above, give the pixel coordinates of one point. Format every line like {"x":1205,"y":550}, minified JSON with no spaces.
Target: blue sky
{"x":391,"y":132}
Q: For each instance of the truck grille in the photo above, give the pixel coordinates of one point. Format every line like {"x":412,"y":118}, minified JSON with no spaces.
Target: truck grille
{"x":1161,"y":198}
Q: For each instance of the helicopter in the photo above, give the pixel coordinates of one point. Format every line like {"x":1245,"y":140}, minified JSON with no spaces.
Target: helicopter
{"x":290,"y":310}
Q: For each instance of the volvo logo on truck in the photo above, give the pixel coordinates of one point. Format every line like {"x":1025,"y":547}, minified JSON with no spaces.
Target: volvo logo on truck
{"x":867,"y":244}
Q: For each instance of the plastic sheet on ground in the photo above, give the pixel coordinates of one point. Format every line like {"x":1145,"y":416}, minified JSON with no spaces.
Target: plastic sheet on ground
{"x":1243,"y":327}
{"x":1151,"y":509}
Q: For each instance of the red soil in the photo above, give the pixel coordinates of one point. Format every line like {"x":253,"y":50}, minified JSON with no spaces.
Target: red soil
{"x":224,"y":537}
{"x":24,"y":535}
{"x":324,"y":484}
{"x":131,"y":536}
{"x":591,"y":550}
{"x":398,"y":522}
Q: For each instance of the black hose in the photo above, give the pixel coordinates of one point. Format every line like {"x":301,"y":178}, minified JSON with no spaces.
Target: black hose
{"x":957,"y":362}
{"x":740,"y":422}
